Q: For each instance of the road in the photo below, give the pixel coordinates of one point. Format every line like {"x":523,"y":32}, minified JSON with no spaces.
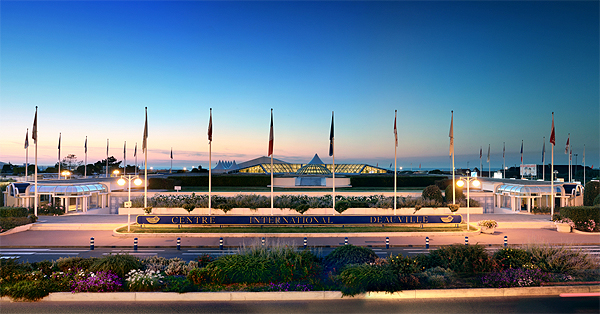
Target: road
{"x":346,"y":305}
{"x":187,"y":254}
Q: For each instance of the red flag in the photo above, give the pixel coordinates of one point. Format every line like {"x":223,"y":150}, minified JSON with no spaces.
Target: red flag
{"x":271,"y":136}
{"x":210,"y":127}
{"x":395,"y":130}
{"x":552,"y":137}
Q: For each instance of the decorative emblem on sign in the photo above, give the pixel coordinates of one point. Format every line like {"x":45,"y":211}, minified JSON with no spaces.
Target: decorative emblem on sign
{"x":447,"y":219}
{"x":153,"y":220}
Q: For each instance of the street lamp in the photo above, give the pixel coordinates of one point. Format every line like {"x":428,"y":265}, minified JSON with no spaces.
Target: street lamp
{"x":468,"y":181}
{"x":116,"y":173}
{"x":121,"y":182}
{"x":66,"y":173}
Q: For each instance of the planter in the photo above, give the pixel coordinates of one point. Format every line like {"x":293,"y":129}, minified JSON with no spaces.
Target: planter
{"x":488,"y":230}
{"x":563,"y":227}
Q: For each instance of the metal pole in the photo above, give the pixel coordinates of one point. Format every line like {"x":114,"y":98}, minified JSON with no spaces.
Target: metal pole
{"x":305,"y":242}
{"x":92,"y":243}
{"x":466,"y":240}
{"x":505,"y":241}
{"x":468,"y":203}
{"x":135,"y":244}
{"x":178,"y":244}
{"x":129,"y":210}
{"x":221,"y":243}
{"x":387,"y":242}
{"x":427,"y":242}
{"x":346,"y":241}
{"x":395,"y":160}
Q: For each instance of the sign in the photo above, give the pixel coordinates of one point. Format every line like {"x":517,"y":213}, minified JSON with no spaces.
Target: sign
{"x":127,"y":204}
{"x":296,"y":220}
{"x":529,"y":170}
{"x":177,"y":188}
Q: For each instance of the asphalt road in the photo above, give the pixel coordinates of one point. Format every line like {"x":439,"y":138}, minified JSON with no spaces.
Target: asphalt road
{"x":346,"y":305}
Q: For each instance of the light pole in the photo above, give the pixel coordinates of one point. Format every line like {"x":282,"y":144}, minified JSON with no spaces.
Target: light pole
{"x":116,"y":173}
{"x":468,"y":181}
{"x":66,"y":173}
{"x":121,"y":182}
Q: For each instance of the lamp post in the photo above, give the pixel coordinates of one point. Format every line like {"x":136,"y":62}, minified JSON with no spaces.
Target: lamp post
{"x":121,"y":182}
{"x":116,"y":172}
{"x":66,"y":173}
{"x":468,"y":181}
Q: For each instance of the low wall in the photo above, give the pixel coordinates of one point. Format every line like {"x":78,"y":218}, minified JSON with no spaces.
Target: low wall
{"x":312,"y":211}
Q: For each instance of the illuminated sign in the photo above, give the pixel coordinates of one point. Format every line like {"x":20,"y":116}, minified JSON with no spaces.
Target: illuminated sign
{"x":296,"y":220}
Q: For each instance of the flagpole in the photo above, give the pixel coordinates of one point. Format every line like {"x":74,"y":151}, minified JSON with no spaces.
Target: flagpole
{"x":35,"y":136}
{"x":271,"y":144}
{"x":59,"y":136}
{"x":584,"y":165}
{"x":395,"y":158}
{"x":332,"y":153}
{"x":145,"y":149}
{"x":553,"y":142}
{"x":521,"y":158}
{"x":85,"y":162}
{"x":107,"y":158}
{"x":452,"y":153}
{"x":27,"y":154}
{"x":125,"y":158}
{"x":504,"y":159}
{"x":480,"y":160}
{"x":171,"y":169}
{"x":544,"y":161}
{"x":489,"y":163}
{"x":135,"y":155}
{"x":210,"y":162}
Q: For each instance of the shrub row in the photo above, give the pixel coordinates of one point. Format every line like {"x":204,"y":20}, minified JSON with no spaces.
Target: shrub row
{"x":582,"y":215}
{"x":224,"y":180}
{"x":13,"y":212}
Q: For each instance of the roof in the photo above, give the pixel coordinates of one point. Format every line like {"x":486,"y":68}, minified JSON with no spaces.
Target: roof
{"x":316,"y":161}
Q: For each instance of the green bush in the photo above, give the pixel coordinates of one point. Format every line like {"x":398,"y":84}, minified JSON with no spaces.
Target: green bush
{"x":178,"y":284}
{"x":11,"y":222}
{"x":512,"y":258}
{"x":341,"y":206}
{"x":459,"y":258}
{"x":120,"y":264}
{"x":225,"y":180}
{"x":28,"y":290}
{"x":541,"y":210}
{"x":592,"y":189}
{"x":459,"y":194}
{"x":13,"y":212}
{"x":388,"y":181}
{"x":437,"y":277}
{"x":72,"y":263}
{"x":432,"y":192}
{"x":161,"y":183}
{"x":597,"y":200}
{"x":348,"y":254}
{"x":404,"y":265}
{"x":581,"y":215}
{"x":560,"y":259}
{"x":360,"y":278}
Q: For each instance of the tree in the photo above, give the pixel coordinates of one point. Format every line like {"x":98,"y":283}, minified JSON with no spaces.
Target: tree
{"x":70,"y":162}
{"x":7,"y":168}
{"x":592,"y":189}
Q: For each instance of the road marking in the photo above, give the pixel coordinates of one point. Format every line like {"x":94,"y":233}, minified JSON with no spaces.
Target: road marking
{"x":138,"y":251}
{"x":55,"y":253}
{"x":222,"y":253}
{"x":584,"y":294}
{"x":19,"y":253}
{"x":24,"y":250}
{"x":142,"y":254}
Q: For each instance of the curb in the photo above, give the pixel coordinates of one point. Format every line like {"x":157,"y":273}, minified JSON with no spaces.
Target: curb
{"x":314,"y":295}
{"x":17,"y":229}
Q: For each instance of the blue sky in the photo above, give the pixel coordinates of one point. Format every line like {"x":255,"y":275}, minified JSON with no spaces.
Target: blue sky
{"x":503,"y":67}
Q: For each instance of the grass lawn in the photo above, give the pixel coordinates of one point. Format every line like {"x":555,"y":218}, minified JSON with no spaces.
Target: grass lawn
{"x":290,"y":229}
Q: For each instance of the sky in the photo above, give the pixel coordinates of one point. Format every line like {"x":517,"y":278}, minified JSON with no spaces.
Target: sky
{"x":502,"y":67}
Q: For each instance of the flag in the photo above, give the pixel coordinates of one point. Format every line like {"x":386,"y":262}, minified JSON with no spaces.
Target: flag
{"x":395,"y":130}
{"x":544,"y":151}
{"x":331,"y":137}
{"x":451,"y":134}
{"x":145,"y":141}
{"x":34,"y":130}
{"x":171,"y":153}
{"x":488,"y":157}
{"x":135,"y":151}
{"x":552,"y":136}
{"x":567,"y":147}
{"x":503,"y":149}
{"x":480,"y":152}
{"x":210,"y":127}
{"x":583,"y":155}
{"x":419,"y":166}
{"x":85,"y":145}
{"x":107,"y":148}
{"x":59,"y":136}
{"x":27,"y":140}
{"x":271,"y":136}
{"x":521,"y":151}
{"x":125,"y":150}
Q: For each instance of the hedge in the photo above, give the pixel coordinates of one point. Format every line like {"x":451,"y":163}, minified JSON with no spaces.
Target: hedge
{"x":581,"y":214}
{"x":592,"y":189}
{"x":13,"y":212}
{"x":225,"y":180}
{"x":388,"y":181}
{"x":161,"y":183}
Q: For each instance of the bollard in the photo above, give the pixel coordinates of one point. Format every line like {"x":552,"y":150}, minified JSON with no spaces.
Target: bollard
{"x":466,"y":240}
{"x":346,"y":241}
{"x":92,"y":243}
{"x":305,"y":240}
{"x":178,"y":244}
{"x":262,"y":241}
{"x":387,"y":242}
{"x":135,"y":241}
{"x":427,"y":242}
{"x":505,"y":241}
{"x":221,"y":243}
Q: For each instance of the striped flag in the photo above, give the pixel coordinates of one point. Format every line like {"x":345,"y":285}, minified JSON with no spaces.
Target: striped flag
{"x":26,"y":139}
{"x":331,"y":137}
{"x":552,"y":136}
{"x":145,"y":141}
{"x":271,"y":136}
{"x":210,"y":127}
{"x":451,"y":134}
{"x":395,"y":129}
{"x":521,"y":151}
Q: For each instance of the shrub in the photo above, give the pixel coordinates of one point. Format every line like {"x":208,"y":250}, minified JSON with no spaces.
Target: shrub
{"x":286,"y":286}
{"x":51,"y":209}
{"x":11,"y":222}
{"x":432,"y":192}
{"x":302,"y":208}
{"x":360,"y":278}
{"x":388,"y":180}
{"x":560,"y":259}
{"x":13,"y":212}
{"x":101,"y":281}
{"x":144,"y":280}
{"x":28,"y":290}
{"x":177,"y":284}
{"x":459,"y":194}
{"x":403,"y":265}
{"x":120,"y":264}
{"x":591,"y":191}
{"x":341,"y":206}
{"x":72,"y":263}
{"x":189,"y":207}
{"x":597,"y":200}
{"x":487,"y":223}
{"x":161,"y":183}
{"x":541,"y":210}
{"x":581,"y":216}
{"x":349,"y":254}
{"x":458,"y":258}
{"x":518,"y":277}
{"x":512,"y":258}
{"x":437,"y":277}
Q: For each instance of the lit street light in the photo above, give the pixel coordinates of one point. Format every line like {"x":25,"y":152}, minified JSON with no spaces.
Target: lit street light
{"x":65,"y":174}
{"x":468,"y":181}
{"x":137,"y":181}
